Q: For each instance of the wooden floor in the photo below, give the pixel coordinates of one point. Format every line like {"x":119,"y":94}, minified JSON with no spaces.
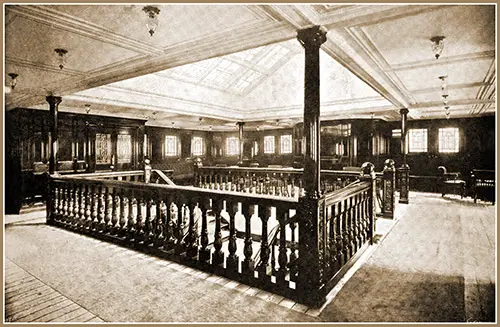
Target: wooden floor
{"x":28,"y":299}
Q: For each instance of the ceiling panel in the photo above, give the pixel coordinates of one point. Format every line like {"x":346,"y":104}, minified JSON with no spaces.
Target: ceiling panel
{"x":467,"y":29}
{"x":453,"y":94}
{"x":462,"y":72}
{"x":35,"y":42}
{"x":177,"y":23}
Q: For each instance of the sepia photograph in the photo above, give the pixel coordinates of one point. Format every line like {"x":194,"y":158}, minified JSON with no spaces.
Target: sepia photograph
{"x":249,"y":163}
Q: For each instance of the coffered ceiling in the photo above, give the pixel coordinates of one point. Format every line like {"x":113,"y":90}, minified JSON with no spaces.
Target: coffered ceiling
{"x":209,"y":66}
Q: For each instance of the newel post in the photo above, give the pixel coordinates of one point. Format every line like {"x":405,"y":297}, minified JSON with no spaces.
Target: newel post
{"x":368,"y":174}
{"x":388,"y":185}
{"x":310,"y":214}
{"x":404,"y":170}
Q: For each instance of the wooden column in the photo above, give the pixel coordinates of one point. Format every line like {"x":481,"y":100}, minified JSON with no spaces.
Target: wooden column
{"x":54,"y":144}
{"x":309,"y":267}
{"x":404,"y":170}
{"x":240,"y":139}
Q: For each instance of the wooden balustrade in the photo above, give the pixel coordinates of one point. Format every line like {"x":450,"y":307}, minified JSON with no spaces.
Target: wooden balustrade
{"x":282,"y":182}
{"x":197,"y":226}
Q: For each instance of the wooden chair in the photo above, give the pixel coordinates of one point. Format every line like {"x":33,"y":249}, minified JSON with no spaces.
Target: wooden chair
{"x":450,"y":183}
{"x":483,"y":185}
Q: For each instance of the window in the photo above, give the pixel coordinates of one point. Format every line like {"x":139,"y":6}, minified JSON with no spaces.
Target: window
{"x":269,"y":144}
{"x":286,"y":143}
{"x":171,"y":146}
{"x":448,"y":140}
{"x":197,"y":146}
{"x":417,"y":140}
{"x":232,"y":146}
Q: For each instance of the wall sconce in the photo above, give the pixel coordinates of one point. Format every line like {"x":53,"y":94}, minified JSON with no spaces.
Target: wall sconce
{"x":11,"y":84}
{"x":61,"y":57}
{"x":152,"y":22}
{"x":437,"y":45}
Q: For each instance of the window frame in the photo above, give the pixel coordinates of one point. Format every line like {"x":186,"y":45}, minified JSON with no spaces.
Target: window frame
{"x":202,"y":141}
{"x":290,"y":151}
{"x":266,"y":149}
{"x":456,"y":131}
{"x":176,"y":150}
{"x":409,"y":140}
{"x":236,"y":151}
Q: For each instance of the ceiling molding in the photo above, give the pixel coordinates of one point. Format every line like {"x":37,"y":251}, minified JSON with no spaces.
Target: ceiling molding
{"x":290,"y":14}
{"x":469,"y":57}
{"x":488,"y":91}
{"x":451,"y":103}
{"x":340,"y":46}
{"x":63,"y":21}
{"x":43,"y":67}
{"x":359,"y":35}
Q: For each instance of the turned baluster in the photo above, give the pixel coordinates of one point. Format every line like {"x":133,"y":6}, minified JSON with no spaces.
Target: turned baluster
{"x":345,"y":232}
{"x":169,"y":241}
{"x":218,"y":255}
{"x":160,"y":228}
{"x":352,"y":212}
{"x":286,"y":181}
{"x":282,"y":256}
{"x":115,"y":214}
{"x":67,"y":204}
{"x":192,"y":239}
{"x":148,"y":234}
{"x":124,"y":207}
{"x":139,"y":229}
{"x":204,"y":253}
{"x":247,"y":267}
{"x":55,"y":201}
{"x":293,"y":254}
{"x":95,"y":208}
{"x":71,"y":198}
{"x":232,"y":259}
{"x":210,"y":180}
{"x":131,"y":222}
{"x":109,"y":211}
{"x":264,"y":269}
{"x":226,"y":182}
{"x":81,"y":208}
{"x":246,"y":182}
{"x":234,"y":182}
{"x":101,"y":209}
{"x":60,"y":208}
{"x":254,"y":183}
{"x":332,"y":247}
{"x":267,"y":181}
{"x":180,"y":244}
{"x":339,"y":242}
{"x":366,"y":215}
{"x":359,"y":221}
{"x":88,"y":209}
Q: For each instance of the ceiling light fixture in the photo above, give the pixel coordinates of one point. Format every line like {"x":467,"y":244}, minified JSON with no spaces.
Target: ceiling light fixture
{"x":437,"y":45}
{"x":61,"y":57}
{"x":11,"y":84}
{"x":445,"y":99}
{"x":152,"y":22}
{"x":444,"y":85}
{"x":87,"y":108}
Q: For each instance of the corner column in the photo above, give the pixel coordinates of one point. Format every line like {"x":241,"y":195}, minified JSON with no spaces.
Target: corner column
{"x":309,"y":282}
{"x":54,"y":143}
{"x":404,"y":170}
{"x":240,"y":138}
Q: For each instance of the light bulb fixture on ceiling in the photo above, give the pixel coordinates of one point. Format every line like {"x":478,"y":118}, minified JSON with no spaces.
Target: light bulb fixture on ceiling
{"x":11,"y":84}
{"x":87,"y":108}
{"x":152,"y":22}
{"x":437,"y":45}
{"x":61,"y":57}
{"x":445,"y":99}
{"x":447,"y":112}
{"x":444,"y":85}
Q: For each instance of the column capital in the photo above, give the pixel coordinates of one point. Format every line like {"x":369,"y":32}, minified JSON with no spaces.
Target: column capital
{"x":404,"y":111}
{"x":53,"y":100}
{"x":313,"y":36}
{"x":240,"y":123}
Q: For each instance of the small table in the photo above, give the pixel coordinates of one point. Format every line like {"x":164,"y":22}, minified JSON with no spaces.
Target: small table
{"x":452,"y":186}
